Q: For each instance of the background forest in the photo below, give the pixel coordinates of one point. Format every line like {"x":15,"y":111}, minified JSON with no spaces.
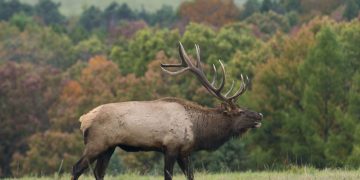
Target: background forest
{"x":302,"y":56}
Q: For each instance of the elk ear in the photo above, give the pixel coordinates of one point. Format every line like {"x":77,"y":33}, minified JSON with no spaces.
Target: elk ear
{"x":225,"y":107}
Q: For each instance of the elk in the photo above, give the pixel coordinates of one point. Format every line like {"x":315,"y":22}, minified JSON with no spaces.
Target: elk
{"x":173,"y":126}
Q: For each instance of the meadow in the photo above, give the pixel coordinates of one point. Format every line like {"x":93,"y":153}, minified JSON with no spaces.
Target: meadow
{"x":301,"y":57}
{"x":293,"y":174}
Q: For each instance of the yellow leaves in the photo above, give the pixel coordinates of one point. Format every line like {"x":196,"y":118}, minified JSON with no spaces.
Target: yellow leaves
{"x":97,"y":64}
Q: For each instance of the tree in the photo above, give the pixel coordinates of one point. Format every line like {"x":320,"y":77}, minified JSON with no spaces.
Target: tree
{"x":26,"y":93}
{"x":351,"y":10}
{"x":165,"y":17}
{"x":203,"y":36}
{"x":250,"y":7}
{"x":350,"y":42}
{"x":88,"y":48}
{"x":91,"y":18}
{"x":48,"y":152}
{"x":276,"y":91}
{"x":324,"y":98}
{"x":323,"y":7}
{"x":291,"y":5}
{"x":266,"y":6}
{"x":267,"y":24}
{"x":133,"y":56}
{"x":21,"y":20}
{"x":97,"y":83}
{"x":110,"y":15}
{"x":128,"y":29}
{"x":9,"y":8}
{"x":354,"y":114}
{"x":48,"y":12}
{"x":213,"y":12}
{"x":230,"y":39}
{"x":114,"y":13}
{"x":124,"y":12}
{"x":51,"y":48}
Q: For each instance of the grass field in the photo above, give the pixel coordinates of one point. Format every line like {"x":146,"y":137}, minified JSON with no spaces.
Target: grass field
{"x":296,"y":174}
{"x":71,"y":7}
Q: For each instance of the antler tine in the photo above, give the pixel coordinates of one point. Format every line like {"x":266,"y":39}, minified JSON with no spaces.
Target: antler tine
{"x":184,"y":56}
{"x":182,"y":64}
{"x":185,"y":62}
{"x":198,"y":60}
{"x":215,"y":75}
{"x":223,"y":77}
{"x":231,"y":88}
{"x":174,"y":72}
{"x":241,"y":90}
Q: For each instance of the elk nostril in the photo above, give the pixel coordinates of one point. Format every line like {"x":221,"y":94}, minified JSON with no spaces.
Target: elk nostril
{"x":261,"y":115}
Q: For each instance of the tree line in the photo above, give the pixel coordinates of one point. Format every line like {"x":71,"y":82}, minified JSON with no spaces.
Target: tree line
{"x":301,"y":56}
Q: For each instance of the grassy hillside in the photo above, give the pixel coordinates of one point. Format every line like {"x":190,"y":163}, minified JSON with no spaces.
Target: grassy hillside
{"x":298,"y":174}
{"x":71,"y":7}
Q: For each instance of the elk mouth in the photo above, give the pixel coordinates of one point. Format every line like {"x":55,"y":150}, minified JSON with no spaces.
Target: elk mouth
{"x":257,"y":125}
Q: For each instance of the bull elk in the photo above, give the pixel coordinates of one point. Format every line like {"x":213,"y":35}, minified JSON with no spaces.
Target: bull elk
{"x":172,"y":126}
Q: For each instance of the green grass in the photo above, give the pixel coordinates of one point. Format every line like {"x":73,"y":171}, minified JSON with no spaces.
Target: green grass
{"x":295,"y":174}
{"x":75,"y":7}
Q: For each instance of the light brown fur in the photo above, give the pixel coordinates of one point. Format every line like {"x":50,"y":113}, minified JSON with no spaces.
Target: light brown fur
{"x":173,"y":126}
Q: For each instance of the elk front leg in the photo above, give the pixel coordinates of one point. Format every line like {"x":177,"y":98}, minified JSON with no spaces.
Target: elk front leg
{"x":170,"y":159}
{"x":185,"y":165}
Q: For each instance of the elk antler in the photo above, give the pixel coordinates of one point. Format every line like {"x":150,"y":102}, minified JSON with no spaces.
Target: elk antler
{"x":197,"y":70}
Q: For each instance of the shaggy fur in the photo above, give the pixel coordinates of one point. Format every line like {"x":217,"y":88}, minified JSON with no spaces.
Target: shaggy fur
{"x":173,"y":126}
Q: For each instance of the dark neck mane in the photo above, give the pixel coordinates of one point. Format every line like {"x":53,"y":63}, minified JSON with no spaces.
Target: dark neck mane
{"x":212,"y":128}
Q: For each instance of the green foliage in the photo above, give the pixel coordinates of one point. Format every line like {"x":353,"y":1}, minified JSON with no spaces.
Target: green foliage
{"x":250,"y":7}
{"x":324,"y":97}
{"x":51,"y":48}
{"x":88,"y":48}
{"x":266,"y":6}
{"x":48,"y":12}
{"x":91,"y":18}
{"x":21,"y":20}
{"x":230,"y":157}
{"x":293,"y":18}
{"x":9,"y":8}
{"x":165,"y":17}
{"x":351,"y":10}
{"x":134,"y":56}
{"x":291,"y":5}
{"x":350,"y":42}
{"x":268,"y":23}
{"x":48,"y":152}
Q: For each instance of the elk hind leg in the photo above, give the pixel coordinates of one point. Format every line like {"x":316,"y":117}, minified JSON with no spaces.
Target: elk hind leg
{"x":185,"y":165}
{"x":87,"y":159}
{"x":102,"y":163}
{"x":81,"y":166}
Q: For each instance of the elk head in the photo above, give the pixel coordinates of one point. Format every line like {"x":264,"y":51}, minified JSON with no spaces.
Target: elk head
{"x":243,"y":118}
